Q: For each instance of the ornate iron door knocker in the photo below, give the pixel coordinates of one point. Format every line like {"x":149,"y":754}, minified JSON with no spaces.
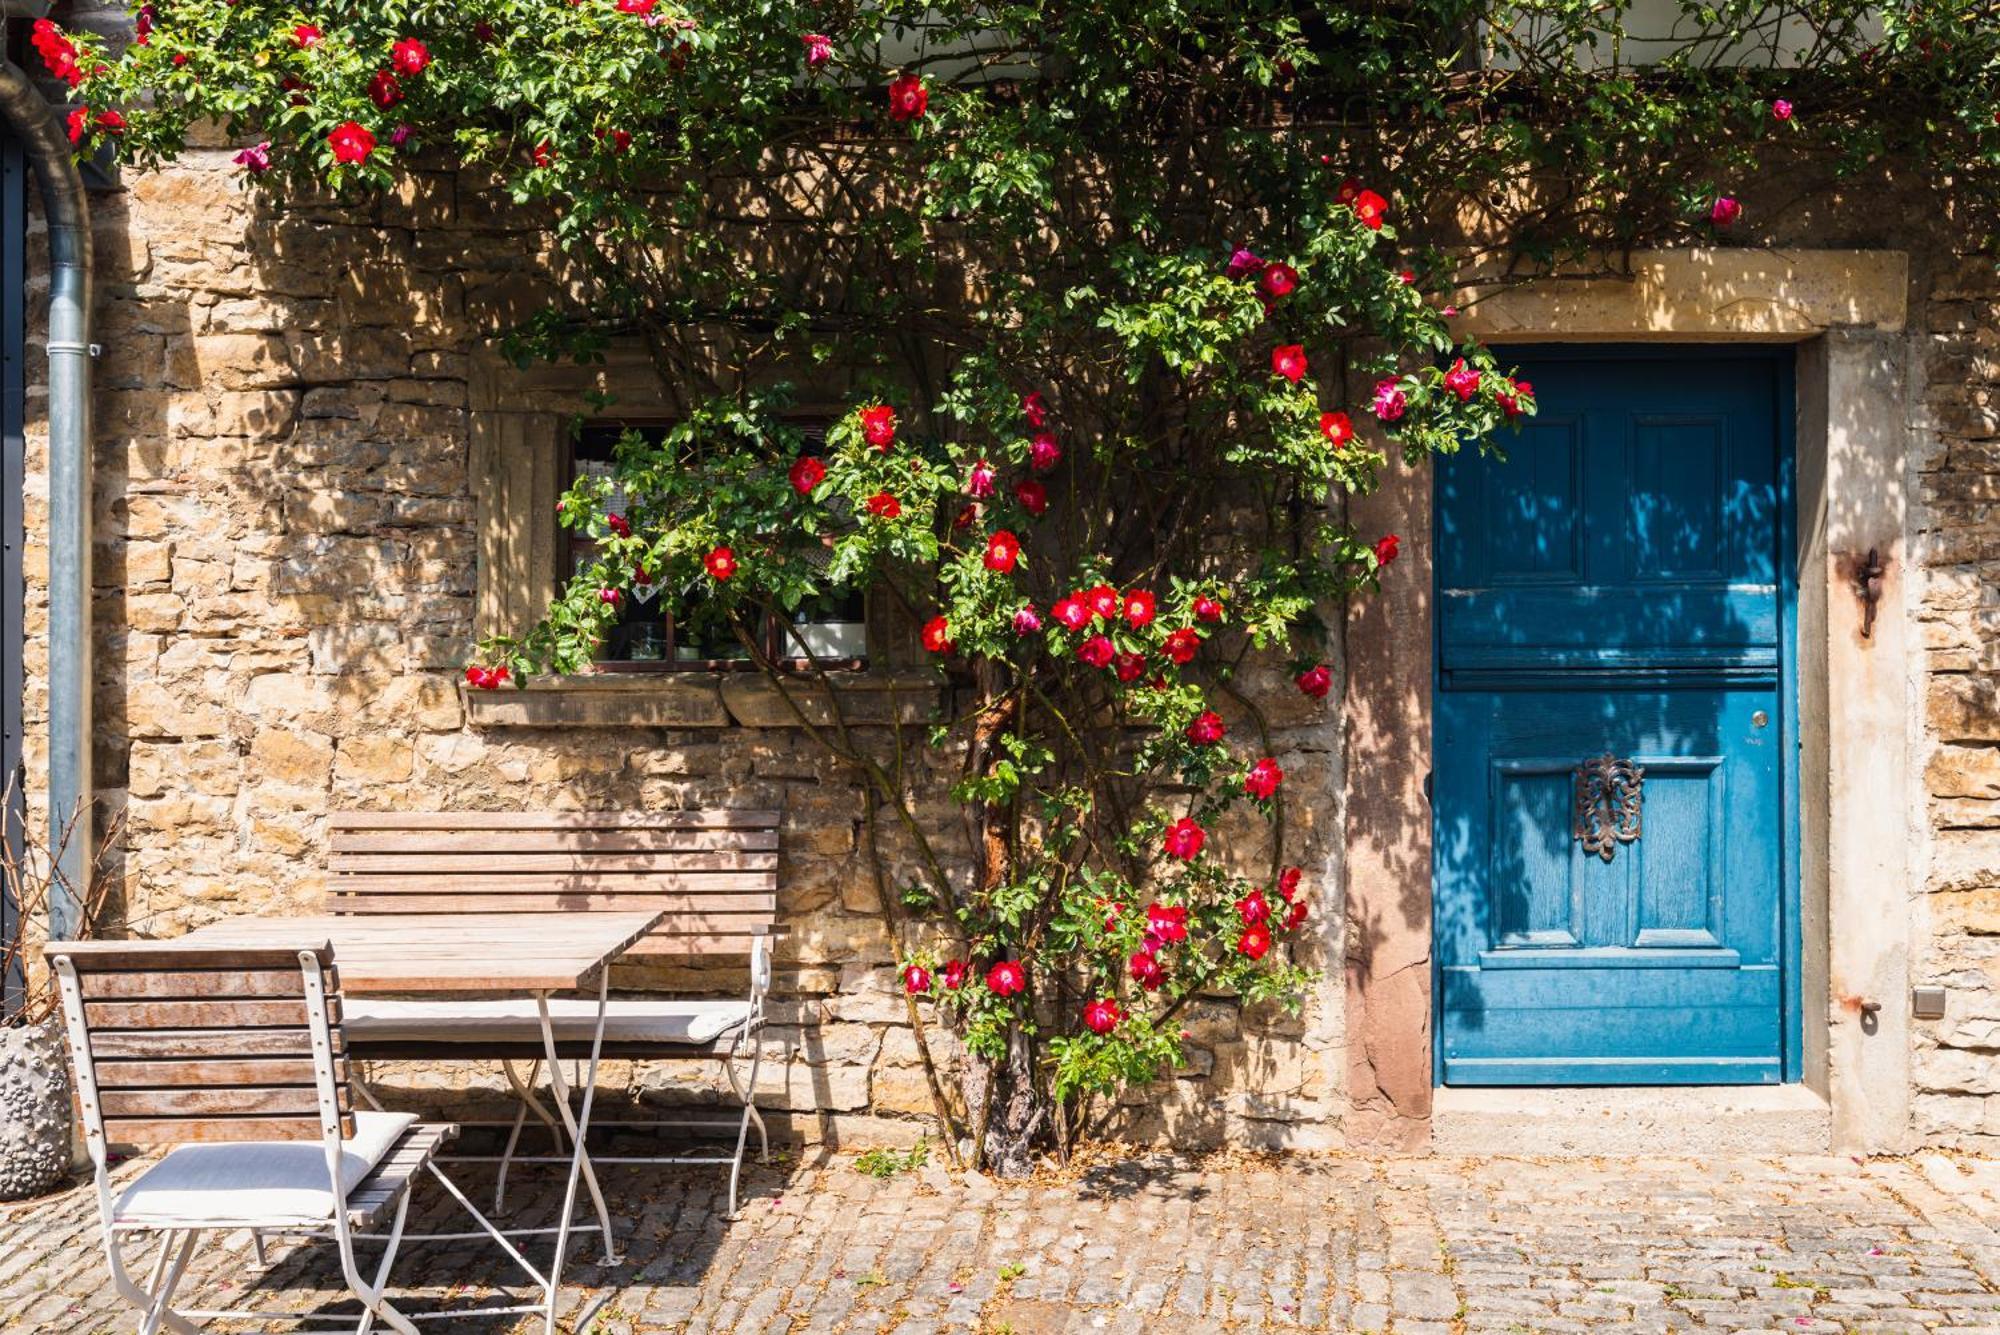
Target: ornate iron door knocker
{"x":1608,"y":796}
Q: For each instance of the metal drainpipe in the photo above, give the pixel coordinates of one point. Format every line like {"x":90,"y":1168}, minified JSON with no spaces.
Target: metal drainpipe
{"x":29,"y":117}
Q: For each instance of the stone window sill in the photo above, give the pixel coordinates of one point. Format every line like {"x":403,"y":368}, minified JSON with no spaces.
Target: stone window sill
{"x":697,"y":700}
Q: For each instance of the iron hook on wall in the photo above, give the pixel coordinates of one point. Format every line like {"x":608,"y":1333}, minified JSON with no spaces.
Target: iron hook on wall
{"x":1868,"y":584}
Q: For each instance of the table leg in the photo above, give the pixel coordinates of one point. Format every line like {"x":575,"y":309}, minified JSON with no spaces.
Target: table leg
{"x":578,"y":1124}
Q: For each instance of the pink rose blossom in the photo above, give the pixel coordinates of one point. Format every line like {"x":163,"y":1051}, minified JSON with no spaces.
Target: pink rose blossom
{"x":1389,"y":402}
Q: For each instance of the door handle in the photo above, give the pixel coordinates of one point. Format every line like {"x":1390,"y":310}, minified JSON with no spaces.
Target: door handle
{"x":1608,"y":795}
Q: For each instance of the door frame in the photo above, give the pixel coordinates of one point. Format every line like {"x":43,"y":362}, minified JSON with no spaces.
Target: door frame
{"x":1782,"y":357}
{"x":1858,"y":431}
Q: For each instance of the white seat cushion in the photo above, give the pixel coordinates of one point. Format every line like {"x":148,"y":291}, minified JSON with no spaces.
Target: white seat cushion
{"x":256,"y":1182}
{"x":664,"y":1020}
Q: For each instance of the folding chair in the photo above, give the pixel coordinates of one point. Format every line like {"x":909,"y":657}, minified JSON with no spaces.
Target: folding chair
{"x":235,"y":1057}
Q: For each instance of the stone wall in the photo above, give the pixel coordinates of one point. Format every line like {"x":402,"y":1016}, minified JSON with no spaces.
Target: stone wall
{"x":1956,"y":1065}
{"x":288,"y":503}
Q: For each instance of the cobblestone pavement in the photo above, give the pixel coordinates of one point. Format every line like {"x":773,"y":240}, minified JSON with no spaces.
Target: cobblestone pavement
{"x":1416,"y":1246}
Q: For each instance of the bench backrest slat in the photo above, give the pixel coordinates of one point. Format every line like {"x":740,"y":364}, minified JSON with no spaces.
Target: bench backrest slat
{"x":184,"y":1044}
{"x":714,"y":872}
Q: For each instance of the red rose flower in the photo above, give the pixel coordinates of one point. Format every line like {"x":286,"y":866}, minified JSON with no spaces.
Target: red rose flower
{"x":618,"y":524}
{"x":1096,"y":651}
{"x":1033,"y":496}
{"x":884,"y":506}
{"x":1337,"y":427}
{"x":1724,"y":211}
{"x":1288,"y":881}
{"x":1385,"y":549}
{"x":1138,"y":608}
{"x":1003,"y":549}
{"x":720,"y":563}
{"x":307,"y":36}
{"x":1263,"y":779}
{"x":1371,"y":208}
{"x":937,"y":635}
{"x":58,"y":53}
{"x":1007,"y":978}
{"x":1295,"y":915}
{"x":383,"y":90}
{"x":1102,"y":1016}
{"x":543,"y":154}
{"x":620,"y":140}
{"x":1462,"y":380}
{"x":807,"y":473}
{"x":409,"y":56}
{"x":1253,"y":908}
{"x":1071,"y":612}
{"x":1350,"y":190}
{"x":819,"y":49}
{"x":1315,"y":681}
{"x":878,"y":426}
{"x":1103,"y":602}
{"x":916,"y":979}
{"x":609,"y":597}
{"x":908,"y":98}
{"x":1289,"y":361}
{"x":979,"y":480}
{"x":1206,"y":730}
{"x":1129,"y":667}
{"x":351,"y":142}
{"x":1181,"y":645}
{"x":1043,"y":452}
{"x":1036,"y":410}
{"x":954,"y":975}
{"x":1510,"y":397}
{"x":1167,"y":925}
{"x":1146,"y":970}
{"x":1280,"y":280}
{"x":636,"y":6}
{"x":1184,"y":839}
{"x":1254,"y":942}
{"x":1207,"y":609}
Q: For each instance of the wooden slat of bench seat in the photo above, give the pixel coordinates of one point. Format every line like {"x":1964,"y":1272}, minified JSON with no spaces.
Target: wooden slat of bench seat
{"x":197,"y":1071}
{"x":546,"y":841}
{"x":279,"y":1101}
{"x":670,"y":883}
{"x":486,"y":864}
{"x":392,"y":1174}
{"x":547,"y":901}
{"x":213,"y":1130}
{"x":717,"y":818}
{"x":672,"y":943}
{"x":226,"y":1044}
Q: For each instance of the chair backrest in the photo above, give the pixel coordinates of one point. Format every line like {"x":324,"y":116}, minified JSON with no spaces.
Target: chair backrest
{"x":715,"y":872}
{"x":177,"y":1043}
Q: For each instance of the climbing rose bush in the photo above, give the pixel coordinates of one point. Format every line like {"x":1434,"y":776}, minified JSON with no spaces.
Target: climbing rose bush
{"x":1119,"y":303}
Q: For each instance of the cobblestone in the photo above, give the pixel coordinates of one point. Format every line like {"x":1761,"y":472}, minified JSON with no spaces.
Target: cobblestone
{"x":1411,"y":1246}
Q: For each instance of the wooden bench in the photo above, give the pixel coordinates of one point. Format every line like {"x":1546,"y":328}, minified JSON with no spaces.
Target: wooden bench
{"x":236,"y":1058}
{"x":713,"y":872}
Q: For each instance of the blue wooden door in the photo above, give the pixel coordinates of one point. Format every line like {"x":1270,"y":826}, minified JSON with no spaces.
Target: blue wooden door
{"x":1612,"y":828}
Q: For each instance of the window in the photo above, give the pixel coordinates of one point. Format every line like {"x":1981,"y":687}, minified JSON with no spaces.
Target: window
{"x":647,"y":637}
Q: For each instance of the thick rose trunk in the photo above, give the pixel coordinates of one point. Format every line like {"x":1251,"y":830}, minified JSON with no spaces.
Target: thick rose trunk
{"x":1017,"y":1118}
